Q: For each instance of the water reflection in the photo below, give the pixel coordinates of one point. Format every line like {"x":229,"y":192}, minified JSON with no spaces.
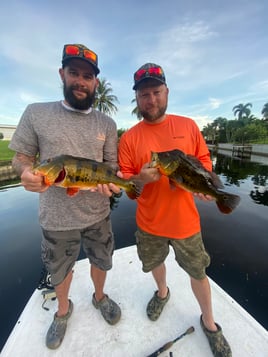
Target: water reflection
{"x":237,"y":171}
{"x":237,"y":243}
{"x":260,"y":197}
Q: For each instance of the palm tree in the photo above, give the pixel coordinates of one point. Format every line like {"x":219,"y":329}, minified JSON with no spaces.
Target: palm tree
{"x":242,"y":110}
{"x":208,"y":132}
{"x":104,"y":100}
{"x":136,"y":111}
{"x":251,"y":118}
{"x":265,"y":111}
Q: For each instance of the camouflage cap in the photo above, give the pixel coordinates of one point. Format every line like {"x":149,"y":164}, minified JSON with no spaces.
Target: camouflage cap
{"x":71,"y":51}
{"x":149,"y":71}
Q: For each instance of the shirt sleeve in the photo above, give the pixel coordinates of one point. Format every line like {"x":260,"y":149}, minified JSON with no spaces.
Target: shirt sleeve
{"x":202,"y":151}
{"x":124,"y":158}
{"x":110,"y":146}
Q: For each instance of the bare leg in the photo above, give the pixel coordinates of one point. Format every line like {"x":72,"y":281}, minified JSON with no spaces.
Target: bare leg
{"x":98,"y":277}
{"x":159,"y":274}
{"x":202,"y":292}
{"x":62,"y":291}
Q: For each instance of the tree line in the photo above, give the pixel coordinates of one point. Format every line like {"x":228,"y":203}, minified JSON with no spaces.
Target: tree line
{"x":244,"y":128}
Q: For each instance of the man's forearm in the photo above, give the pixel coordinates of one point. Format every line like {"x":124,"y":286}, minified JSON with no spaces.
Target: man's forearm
{"x":20,"y":162}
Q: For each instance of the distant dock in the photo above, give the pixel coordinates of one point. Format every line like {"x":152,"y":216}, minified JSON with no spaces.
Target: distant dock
{"x":254,"y":152}
{"x":7,"y":172}
{"x":242,"y":151}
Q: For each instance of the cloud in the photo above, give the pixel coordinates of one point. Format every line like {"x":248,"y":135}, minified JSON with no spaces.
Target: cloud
{"x":179,"y":47}
{"x":261,"y":86}
{"x":201,"y":121}
{"x":214,"y":103}
{"x":29,"y":97}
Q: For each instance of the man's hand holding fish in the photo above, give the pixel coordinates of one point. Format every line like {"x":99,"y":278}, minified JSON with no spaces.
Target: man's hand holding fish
{"x":23,"y":165}
{"x":33,"y":182}
{"x":146,"y":175}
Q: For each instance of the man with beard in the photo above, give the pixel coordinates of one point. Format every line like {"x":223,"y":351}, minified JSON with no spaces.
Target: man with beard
{"x":71,"y":127}
{"x":167,"y":216}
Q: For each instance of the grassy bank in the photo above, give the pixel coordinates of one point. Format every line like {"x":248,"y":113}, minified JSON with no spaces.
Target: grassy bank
{"x":5,"y":153}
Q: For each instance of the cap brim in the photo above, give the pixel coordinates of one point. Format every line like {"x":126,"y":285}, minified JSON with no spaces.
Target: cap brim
{"x":161,"y":81}
{"x":66,"y":60}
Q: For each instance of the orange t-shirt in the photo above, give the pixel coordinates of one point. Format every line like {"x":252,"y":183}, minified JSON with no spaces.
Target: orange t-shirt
{"x":163,"y":210}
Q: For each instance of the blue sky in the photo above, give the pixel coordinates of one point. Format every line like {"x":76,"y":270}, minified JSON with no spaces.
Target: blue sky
{"x":214,"y":53}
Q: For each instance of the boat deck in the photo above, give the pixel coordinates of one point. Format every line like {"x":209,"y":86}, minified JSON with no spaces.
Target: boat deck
{"x":135,"y":335}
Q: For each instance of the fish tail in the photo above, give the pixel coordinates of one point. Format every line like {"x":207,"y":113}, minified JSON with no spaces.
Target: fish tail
{"x":227,"y":202}
{"x":134,"y":189}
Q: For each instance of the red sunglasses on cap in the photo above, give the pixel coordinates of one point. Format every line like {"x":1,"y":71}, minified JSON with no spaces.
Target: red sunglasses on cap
{"x":75,"y":50}
{"x":149,"y":72}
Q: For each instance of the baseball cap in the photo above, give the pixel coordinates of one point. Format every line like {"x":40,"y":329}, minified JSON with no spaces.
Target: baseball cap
{"x":149,"y":70}
{"x":82,"y":52}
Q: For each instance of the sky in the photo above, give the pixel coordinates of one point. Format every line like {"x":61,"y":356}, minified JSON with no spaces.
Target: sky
{"x":214,"y":53}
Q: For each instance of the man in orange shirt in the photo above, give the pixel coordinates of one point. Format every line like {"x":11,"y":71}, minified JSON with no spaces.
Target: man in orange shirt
{"x":168,"y":217}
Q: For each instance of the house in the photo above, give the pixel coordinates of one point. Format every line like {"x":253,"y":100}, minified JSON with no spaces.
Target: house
{"x":7,"y":131}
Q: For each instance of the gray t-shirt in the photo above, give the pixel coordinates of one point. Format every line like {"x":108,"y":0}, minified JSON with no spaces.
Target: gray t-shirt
{"x":50,"y":129}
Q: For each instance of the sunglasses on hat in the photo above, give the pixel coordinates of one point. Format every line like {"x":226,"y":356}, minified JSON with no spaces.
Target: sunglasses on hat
{"x":82,"y":52}
{"x":149,"y":72}
{"x":74,"y":50}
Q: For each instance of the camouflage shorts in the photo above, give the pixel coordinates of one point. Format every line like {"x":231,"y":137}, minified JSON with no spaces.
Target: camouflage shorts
{"x":60,"y":249}
{"x":190,"y":252}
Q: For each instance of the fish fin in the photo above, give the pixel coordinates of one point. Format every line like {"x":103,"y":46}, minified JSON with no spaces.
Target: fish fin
{"x":135,"y":190}
{"x":72,"y":191}
{"x":194,"y":161}
{"x":175,"y":180}
{"x":173,"y":184}
{"x":215,"y":179}
{"x":227,"y":202}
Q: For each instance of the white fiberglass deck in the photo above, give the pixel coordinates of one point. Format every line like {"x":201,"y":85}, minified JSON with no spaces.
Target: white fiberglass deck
{"x":88,"y":335}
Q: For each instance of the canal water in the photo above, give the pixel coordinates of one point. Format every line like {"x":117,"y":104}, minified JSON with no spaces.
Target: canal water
{"x":237,"y":243}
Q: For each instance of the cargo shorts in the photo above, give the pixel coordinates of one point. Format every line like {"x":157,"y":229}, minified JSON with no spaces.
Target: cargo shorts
{"x":60,"y":249}
{"x":190,"y":253}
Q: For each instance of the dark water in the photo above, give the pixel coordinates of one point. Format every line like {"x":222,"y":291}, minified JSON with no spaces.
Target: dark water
{"x":237,"y":243}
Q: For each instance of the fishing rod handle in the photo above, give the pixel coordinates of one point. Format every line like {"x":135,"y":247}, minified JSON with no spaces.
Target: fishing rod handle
{"x":187,"y":332}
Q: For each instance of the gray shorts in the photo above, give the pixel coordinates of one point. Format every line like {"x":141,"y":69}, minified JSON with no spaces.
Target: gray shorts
{"x":190,"y":252}
{"x":60,"y":249}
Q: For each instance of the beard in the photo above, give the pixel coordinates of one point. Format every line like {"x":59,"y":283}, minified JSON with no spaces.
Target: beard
{"x":80,"y":104}
{"x":147,"y":115}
